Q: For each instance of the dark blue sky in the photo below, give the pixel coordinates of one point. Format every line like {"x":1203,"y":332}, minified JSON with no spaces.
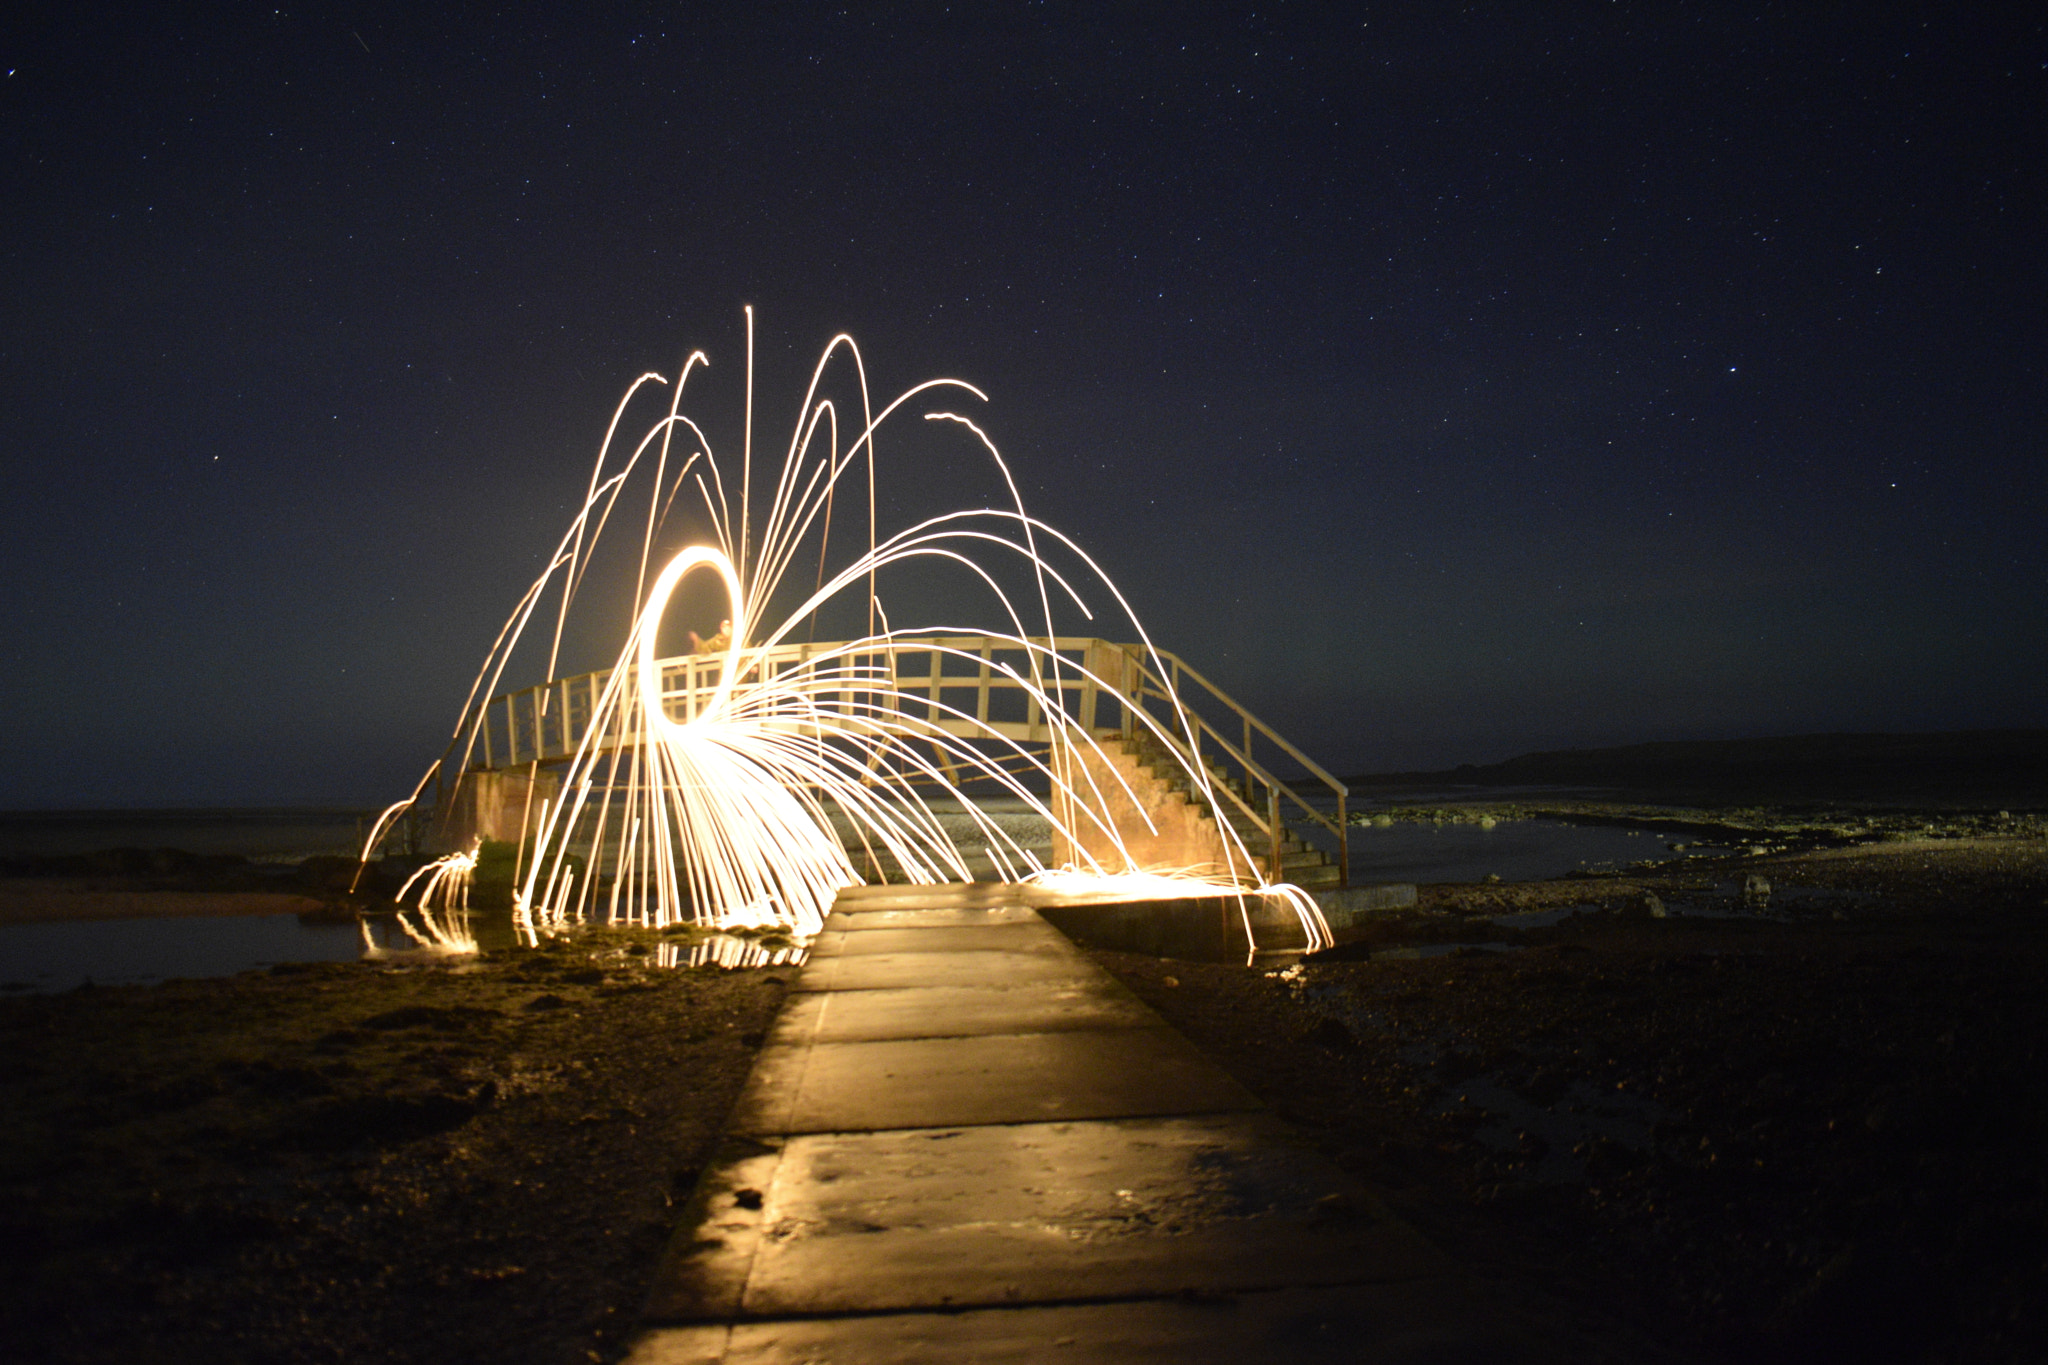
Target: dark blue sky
{"x":1447,"y":383}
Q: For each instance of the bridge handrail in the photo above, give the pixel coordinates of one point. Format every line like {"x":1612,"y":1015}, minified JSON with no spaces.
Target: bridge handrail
{"x":1315,"y":769}
{"x":541,"y":723}
{"x":546,"y":705}
{"x":1275,"y":787}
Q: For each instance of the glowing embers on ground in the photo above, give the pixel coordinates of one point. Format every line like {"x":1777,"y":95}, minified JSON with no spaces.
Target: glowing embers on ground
{"x":1150,"y":886}
{"x":1084,"y":885}
{"x":718,"y":808}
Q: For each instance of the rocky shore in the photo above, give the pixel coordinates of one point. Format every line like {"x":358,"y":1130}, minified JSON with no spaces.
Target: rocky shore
{"x":1762,"y":1108}
{"x":354,"y":1162}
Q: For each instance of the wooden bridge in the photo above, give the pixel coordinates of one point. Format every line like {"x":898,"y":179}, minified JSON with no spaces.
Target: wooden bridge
{"x":959,"y":677}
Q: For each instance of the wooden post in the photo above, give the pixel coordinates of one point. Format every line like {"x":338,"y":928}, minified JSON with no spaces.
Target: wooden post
{"x":1343,"y":841}
{"x":1088,"y":685}
{"x":1274,"y":827}
{"x":983,"y":680}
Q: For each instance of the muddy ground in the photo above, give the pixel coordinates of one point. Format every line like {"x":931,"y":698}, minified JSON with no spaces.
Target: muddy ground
{"x":1807,"y":1129}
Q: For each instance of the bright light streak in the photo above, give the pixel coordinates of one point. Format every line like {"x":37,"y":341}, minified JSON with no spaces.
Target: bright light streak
{"x":724,"y":816}
{"x":442,"y":928}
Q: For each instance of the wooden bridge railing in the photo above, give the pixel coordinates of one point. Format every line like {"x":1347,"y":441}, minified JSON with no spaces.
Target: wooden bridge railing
{"x":1264,"y":799}
{"x":971,"y":687}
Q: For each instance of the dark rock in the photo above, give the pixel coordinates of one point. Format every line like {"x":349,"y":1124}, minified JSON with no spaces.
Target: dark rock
{"x":377,"y":1120}
{"x":429,"y":1016}
{"x":1604,"y":1157}
{"x":1333,"y":1034}
{"x":334,"y":1040}
{"x":269,"y":1078}
{"x":328,"y":872}
{"x":1867,"y":1303}
{"x":1545,"y":1088}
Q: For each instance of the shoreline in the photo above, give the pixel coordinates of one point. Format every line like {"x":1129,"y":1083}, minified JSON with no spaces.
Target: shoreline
{"x":36,"y":900}
{"x":1709,"y":1128}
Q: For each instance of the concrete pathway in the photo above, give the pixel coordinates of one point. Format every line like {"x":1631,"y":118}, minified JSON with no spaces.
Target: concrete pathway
{"x":966,"y":1142}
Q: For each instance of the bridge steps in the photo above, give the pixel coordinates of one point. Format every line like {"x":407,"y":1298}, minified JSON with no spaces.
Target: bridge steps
{"x":1301,"y":864}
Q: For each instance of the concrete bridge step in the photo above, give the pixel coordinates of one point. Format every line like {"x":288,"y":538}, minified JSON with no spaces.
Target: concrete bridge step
{"x":1327,"y":874}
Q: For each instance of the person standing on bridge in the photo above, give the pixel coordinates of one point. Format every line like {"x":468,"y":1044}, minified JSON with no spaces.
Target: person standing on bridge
{"x":717,"y":644}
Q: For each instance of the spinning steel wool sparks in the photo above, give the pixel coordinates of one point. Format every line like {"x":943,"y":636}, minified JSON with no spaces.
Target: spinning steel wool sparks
{"x":726,"y":789}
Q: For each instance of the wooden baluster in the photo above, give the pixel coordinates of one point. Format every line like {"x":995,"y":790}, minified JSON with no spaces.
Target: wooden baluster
{"x":1088,"y":686}
{"x":985,"y":684}
{"x":1273,"y":826}
{"x":1343,"y":841}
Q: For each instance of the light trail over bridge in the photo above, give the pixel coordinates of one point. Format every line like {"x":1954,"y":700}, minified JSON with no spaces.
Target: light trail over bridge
{"x":978,"y":687}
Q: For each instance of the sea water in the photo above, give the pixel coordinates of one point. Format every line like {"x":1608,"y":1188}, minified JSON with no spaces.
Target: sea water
{"x":1513,"y":850}
{"x":64,"y":954}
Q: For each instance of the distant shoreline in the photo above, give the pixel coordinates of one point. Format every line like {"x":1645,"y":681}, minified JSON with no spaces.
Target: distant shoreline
{"x":146,"y":814}
{"x":261,"y":834}
{"x":1970,"y":768}
{"x":26,"y":900}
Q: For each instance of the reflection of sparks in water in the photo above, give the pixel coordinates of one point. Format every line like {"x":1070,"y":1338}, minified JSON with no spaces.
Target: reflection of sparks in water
{"x":725,"y":950}
{"x":724,"y":816}
{"x":438,"y":934}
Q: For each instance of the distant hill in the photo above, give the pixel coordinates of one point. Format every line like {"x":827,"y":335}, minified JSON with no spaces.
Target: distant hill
{"x":1973,"y":767}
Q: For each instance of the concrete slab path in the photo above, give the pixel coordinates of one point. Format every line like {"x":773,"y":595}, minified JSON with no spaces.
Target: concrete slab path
{"x":964,"y":1141}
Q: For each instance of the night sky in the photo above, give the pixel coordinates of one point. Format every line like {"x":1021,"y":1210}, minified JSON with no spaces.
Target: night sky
{"x":1445,"y":382}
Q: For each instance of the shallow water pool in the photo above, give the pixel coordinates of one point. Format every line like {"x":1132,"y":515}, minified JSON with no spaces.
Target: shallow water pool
{"x":58,"y":956}
{"x":1513,"y":850}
